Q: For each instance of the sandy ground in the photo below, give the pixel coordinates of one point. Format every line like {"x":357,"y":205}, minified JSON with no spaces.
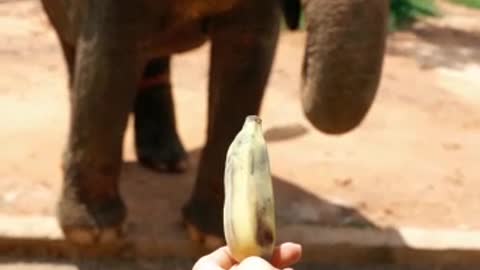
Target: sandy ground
{"x":412,"y":162}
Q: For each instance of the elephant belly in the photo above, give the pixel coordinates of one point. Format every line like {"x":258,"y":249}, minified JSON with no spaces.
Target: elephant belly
{"x":174,"y":40}
{"x":156,"y":29}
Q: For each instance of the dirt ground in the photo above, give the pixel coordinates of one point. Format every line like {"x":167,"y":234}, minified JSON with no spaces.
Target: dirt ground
{"x":412,"y":162}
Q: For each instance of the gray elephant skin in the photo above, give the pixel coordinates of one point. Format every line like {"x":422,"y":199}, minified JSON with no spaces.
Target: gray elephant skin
{"x":118,"y":56}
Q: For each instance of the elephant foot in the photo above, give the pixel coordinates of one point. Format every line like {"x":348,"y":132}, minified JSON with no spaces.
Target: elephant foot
{"x":169,"y":156}
{"x":90,"y":223}
{"x":204,"y":224}
{"x":208,"y":241}
{"x":92,"y":236}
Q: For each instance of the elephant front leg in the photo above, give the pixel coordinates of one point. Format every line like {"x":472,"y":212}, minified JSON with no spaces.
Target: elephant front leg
{"x":158,"y":145}
{"x":241,"y":60}
{"x":106,"y":73}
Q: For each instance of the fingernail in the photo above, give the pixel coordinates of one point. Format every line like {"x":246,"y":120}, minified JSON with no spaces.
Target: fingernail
{"x":293,"y":244}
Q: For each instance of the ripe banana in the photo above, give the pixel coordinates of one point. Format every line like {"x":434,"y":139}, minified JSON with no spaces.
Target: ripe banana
{"x":249,"y":210}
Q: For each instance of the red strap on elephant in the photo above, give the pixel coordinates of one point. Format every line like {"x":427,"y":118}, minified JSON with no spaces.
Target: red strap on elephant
{"x":160,"y":79}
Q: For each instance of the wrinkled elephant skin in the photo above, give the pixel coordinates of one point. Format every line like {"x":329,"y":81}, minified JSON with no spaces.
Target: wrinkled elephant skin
{"x":343,"y":61}
{"x":118,"y":58}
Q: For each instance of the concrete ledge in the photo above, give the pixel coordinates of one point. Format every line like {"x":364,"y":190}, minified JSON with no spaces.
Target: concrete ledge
{"x":41,"y":236}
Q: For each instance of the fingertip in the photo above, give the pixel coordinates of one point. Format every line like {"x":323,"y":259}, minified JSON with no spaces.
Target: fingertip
{"x":291,"y":246}
{"x":286,"y":254}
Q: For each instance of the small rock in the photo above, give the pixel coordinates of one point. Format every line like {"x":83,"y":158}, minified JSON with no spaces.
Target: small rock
{"x":451,"y":146}
{"x":343,"y":182}
{"x":388,"y":211}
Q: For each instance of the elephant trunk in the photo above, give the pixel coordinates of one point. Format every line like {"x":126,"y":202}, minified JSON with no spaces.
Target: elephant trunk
{"x":343,"y":61}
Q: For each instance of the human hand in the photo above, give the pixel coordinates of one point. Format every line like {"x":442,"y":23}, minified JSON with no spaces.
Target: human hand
{"x":283,"y":257}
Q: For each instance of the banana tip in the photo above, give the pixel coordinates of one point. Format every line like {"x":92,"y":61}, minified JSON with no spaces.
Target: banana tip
{"x":255,"y":118}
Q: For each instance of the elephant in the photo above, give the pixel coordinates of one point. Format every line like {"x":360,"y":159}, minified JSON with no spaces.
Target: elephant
{"x":118,"y":56}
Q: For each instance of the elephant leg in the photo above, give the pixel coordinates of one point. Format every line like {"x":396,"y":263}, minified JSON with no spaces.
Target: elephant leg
{"x":57,"y":17}
{"x":69,"y":56}
{"x":90,"y":208}
{"x":241,"y":58}
{"x":158,"y":145}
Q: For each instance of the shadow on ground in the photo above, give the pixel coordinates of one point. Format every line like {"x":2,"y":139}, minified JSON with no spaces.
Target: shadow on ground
{"x":155,"y":200}
{"x":285,"y":132}
{"x":443,"y":47}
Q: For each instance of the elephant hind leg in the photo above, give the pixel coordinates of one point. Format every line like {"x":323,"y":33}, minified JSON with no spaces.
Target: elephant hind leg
{"x":158,"y":145}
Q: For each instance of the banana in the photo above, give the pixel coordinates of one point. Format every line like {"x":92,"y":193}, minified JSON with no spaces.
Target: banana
{"x":249,"y":208}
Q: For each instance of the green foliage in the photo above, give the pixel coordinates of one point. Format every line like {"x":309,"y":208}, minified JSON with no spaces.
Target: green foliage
{"x":405,"y":12}
{"x":468,"y":3}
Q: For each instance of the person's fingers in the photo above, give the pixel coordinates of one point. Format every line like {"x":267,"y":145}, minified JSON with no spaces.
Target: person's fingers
{"x":254,"y":263}
{"x":204,"y":264}
{"x":218,"y":259}
{"x":286,"y":254}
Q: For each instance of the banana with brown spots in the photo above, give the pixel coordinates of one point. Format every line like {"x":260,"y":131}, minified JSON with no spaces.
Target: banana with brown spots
{"x":249,"y":210}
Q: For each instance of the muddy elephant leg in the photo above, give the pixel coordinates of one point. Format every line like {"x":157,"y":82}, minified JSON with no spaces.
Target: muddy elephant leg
{"x":158,"y":145}
{"x":241,"y":60}
{"x":106,"y":74}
